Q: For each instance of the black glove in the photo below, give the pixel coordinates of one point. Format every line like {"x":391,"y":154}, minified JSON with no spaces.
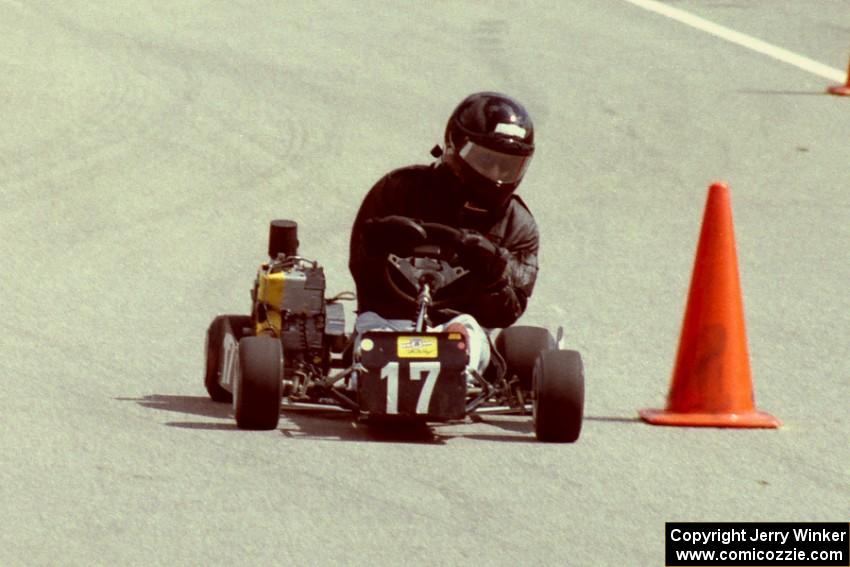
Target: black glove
{"x":482,"y":257}
{"x":393,"y":233}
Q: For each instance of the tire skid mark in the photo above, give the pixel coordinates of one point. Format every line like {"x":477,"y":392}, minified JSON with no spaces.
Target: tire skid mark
{"x":128,"y":122}
{"x":94,"y":135}
{"x":89,"y":140}
{"x":492,"y":39}
{"x":228,"y":125}
{"x":124,"y":121}
{"x":96,"y":153}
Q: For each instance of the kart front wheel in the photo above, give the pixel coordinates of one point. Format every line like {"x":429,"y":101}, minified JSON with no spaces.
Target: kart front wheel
{"x":521,"y":346}
{"x":558,"y":396}
{"x":217,"y":334}
{"x":258,"y":390}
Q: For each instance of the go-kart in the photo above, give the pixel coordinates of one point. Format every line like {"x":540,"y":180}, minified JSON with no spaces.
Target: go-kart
{"x":294,"y":345}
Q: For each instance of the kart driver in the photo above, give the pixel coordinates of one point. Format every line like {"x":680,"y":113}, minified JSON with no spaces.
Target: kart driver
{"x":489,"y":142}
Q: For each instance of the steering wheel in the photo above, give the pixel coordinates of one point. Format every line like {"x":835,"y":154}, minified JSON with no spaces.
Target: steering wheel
{"x":432,"y":262}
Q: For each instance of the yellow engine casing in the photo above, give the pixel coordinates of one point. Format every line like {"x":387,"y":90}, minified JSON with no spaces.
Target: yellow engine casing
{"x":270,"y":294}
{"x":290,"y":304}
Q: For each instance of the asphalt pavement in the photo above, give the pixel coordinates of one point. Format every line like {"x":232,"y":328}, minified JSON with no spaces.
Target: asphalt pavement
{"x":145,"y":146}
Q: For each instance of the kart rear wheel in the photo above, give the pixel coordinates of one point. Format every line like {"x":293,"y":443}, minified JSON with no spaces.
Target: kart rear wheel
{"x":558,"y":396}
{"x":258,"y":390}
{"x":520,"y":346}
{"x":215,"y":352}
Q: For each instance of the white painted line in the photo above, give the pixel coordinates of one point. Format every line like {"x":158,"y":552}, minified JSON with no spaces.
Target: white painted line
{"x":742,"y":39}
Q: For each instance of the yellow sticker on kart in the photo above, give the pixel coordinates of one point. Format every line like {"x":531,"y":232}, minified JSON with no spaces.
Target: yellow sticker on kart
{"x":417,"y":347}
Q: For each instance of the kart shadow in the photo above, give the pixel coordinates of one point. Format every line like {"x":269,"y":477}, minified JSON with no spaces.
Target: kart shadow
{"x":335,"y":424}
{"x":189,"y":405}
{"x":612,"y":419}
{"x":194,"y":405}
{"x":784,"y":92}
{"x":341,"y":425}
{"x":326,"y":423}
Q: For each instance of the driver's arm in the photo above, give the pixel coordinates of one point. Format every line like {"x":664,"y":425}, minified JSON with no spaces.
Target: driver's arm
{"x":501,"y":303}
{"x":365,"y":265}
{"x":389,"y":196}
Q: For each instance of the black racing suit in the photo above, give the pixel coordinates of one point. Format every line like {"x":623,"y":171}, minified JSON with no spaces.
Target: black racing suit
{"x":433,"y":194}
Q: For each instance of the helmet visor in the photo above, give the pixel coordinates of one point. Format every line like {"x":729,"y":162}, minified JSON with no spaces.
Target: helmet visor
{"x":498,"y":167}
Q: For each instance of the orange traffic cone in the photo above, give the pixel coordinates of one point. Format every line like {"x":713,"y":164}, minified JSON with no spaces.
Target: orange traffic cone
{"x":712,"y":385}
{"x":841,"y":90}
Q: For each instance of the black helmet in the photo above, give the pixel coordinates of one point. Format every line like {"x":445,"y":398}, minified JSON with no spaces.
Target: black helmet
{"x":489,"y":144}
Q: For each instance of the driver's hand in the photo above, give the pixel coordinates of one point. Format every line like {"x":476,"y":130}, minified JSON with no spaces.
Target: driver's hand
{"x":483,"y":257}
{"x":393,"y":233}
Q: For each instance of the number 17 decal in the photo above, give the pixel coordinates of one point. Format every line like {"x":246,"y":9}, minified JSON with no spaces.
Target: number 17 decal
{"x":431,"y":370}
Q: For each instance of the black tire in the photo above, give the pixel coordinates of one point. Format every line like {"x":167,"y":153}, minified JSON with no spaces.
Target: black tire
{"x":558,"y":396}
{"x":214,"y":359}
{"x":258,"y":390}
{"x":520,"y":346}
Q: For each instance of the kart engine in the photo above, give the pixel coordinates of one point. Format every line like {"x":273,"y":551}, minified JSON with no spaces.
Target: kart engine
{"x":289,"y":303}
